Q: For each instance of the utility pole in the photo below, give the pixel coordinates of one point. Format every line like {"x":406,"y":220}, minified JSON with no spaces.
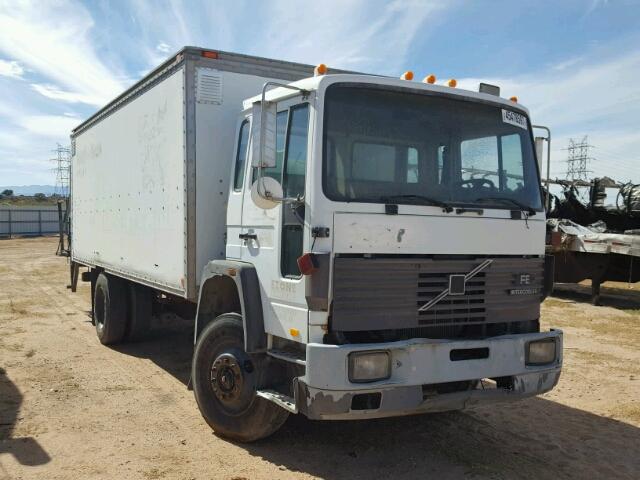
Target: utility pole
{"x":62,"y":168}
{"x":578,"y":159}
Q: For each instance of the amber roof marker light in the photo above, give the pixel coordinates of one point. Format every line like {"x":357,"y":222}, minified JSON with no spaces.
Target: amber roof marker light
{"x":209,"y":54}
{"x":431,"y":79}
{"x":514,"y":99}
{"x":408,"y":75}
{"x":453,"y":83}
{"x":321,"y":69}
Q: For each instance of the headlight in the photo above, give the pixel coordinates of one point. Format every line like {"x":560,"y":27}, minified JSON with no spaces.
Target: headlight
{"x":369,"y":366}
{"x":541,"y":352}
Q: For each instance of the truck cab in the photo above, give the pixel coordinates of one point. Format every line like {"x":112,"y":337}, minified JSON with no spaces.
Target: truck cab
{"x":391,"y":235}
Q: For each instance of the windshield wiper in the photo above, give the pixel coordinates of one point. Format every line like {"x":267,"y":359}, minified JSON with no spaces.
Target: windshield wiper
{"x":419,"y":198}
{"x":521,"y":206}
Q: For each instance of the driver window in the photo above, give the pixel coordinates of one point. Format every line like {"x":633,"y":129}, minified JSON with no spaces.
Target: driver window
{"x":479,"y":159}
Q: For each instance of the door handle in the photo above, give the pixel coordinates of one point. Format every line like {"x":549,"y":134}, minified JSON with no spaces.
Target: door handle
{"x":248,"y":236}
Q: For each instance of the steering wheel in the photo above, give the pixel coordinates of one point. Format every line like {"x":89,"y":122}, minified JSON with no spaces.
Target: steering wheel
{"x":477,"y":183}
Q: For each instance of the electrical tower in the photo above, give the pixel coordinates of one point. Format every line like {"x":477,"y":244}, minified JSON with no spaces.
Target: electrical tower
{"x":578,"y":159}
{"x":62,"y":161}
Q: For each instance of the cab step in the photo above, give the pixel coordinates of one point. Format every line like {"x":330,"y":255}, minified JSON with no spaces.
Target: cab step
{"x":288,"y":356}
{"x":285,"y":401}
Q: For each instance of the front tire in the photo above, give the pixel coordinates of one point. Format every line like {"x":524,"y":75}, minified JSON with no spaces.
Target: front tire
{"x":110,"y":309}
{"x":225,"y":379}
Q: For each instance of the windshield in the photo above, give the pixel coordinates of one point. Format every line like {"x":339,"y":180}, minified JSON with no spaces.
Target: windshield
{"x":385,"y":146}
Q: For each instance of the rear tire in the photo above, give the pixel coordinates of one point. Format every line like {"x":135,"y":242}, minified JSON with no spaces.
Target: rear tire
{"x":225,"y":379}
{"x":110,"y":309}
{"x":140,"y":310}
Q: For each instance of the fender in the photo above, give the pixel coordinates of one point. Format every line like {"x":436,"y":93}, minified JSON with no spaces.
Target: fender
{"x":245,"y":278}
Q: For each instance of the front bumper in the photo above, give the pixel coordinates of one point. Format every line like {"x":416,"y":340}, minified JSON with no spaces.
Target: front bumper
{"x":419,"y":368}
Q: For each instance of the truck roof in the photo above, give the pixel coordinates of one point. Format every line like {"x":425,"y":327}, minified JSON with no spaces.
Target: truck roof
{"x":314,"y":83}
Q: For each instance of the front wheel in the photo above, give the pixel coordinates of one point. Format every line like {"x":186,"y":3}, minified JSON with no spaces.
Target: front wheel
{"x":225,"y":379}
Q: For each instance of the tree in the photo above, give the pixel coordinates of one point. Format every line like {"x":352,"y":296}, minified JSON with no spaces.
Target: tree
{"x":7,"y":193}
{"x":40,"y":197}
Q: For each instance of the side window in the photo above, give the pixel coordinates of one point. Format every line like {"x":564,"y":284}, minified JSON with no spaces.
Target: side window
{"x":295,"y":167}
{"x":241,"y":156}
{"x":281,"y":130}
{"x":412,"y":165}
{"x":296,"y":161}
{"x":512,"y":165}
{"x":442,"y":153}
{"x":374,"y":162}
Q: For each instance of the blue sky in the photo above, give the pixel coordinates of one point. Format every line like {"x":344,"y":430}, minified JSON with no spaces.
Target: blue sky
{"x":574,"y":63}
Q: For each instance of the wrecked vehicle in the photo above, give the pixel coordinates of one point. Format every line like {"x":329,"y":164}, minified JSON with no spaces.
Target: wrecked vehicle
{"x":352,"y":246}
{"x":594,"y":241}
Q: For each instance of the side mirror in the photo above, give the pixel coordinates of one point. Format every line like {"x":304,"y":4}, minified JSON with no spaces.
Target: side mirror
{"x":263,"y":134}
{"x":264,"y":190}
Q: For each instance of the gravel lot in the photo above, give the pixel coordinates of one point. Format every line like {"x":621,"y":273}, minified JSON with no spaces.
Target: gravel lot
{"x":71,"y":408}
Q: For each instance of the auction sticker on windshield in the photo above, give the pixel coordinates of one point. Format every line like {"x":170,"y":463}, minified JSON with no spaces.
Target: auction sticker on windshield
{"x":514,"y":119}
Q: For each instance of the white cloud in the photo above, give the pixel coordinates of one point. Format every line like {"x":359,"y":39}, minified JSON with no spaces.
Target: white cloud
{"x":163,"y":47}
{"x":54,"y":40}
{"x":594,"y":5}
{"x":56,"y":93}
{"x":567,"y":63}
{"x":374,"y":35}
{"x":356,"y":34}
{"x":11,"y":68}
{"x":53,"y":126}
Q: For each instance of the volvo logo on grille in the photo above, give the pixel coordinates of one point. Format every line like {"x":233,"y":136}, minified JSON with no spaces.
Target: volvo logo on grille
{"x":456,"y":285}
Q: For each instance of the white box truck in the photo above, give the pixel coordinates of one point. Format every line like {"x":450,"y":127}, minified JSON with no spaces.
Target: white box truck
{"x":352,"y":246}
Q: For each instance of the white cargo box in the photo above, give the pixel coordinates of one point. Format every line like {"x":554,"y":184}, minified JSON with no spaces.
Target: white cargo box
{"x":151,"y":170}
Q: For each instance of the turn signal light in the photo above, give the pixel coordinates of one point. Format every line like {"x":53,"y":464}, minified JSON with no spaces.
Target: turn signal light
{"x":321,"y":69}
{"x":408,"y":75}
{"x":452,"y":83}
{"x":308,"y":263}
{"x":430,"y":79}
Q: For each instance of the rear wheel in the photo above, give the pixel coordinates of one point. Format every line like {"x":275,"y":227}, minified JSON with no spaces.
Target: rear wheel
{"x":110,"y":309}
{"x":225,"y":379}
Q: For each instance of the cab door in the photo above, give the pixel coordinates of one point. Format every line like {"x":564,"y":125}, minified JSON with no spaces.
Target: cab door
{"x":272,"y":240}
{"x":236,"y":194}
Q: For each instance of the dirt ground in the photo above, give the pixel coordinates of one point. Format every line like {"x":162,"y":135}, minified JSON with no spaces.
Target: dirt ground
{"x":71,"y":408}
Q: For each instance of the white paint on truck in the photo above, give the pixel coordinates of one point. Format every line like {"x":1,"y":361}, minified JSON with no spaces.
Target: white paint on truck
{"x":128,"y":189}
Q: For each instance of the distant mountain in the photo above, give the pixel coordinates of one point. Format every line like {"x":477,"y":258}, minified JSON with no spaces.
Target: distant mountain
{"x":31,"y":189}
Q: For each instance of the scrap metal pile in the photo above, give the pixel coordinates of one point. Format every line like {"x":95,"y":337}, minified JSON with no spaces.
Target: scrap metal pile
{"x":624,"y":217}
{"x":595,"y":241}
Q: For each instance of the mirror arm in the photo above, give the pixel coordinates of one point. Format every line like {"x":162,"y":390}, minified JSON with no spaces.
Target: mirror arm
{"x":263,"y":194}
